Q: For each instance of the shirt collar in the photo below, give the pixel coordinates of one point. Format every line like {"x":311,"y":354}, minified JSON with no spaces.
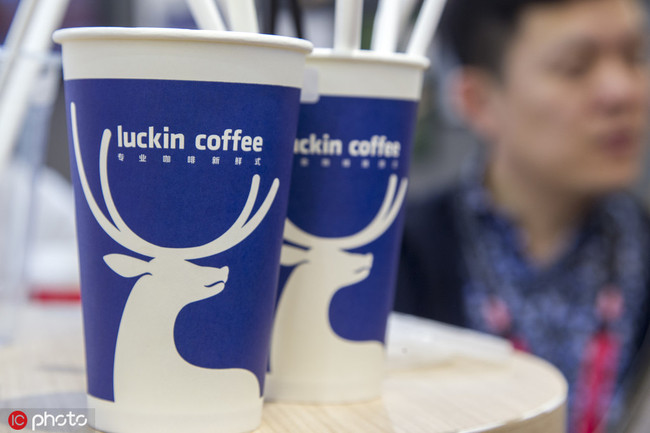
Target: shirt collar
{"x":477,"y":199}
{"x":478,"y":202}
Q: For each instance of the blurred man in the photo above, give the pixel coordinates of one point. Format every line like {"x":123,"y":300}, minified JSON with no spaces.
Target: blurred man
{"x":538,"y":242}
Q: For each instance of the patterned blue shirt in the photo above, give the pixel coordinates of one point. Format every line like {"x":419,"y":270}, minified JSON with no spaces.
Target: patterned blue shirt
{"x":583,"y":312}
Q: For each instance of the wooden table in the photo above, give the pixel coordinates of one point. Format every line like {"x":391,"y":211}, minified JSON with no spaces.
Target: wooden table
{"x":44,"y":368}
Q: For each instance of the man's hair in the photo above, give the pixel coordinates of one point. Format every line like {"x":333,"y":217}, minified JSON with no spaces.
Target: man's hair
{"x":478,"y":32}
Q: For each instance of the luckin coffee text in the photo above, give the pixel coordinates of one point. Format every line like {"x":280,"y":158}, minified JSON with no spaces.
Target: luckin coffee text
{"x":153,"y":138}
{"x":377,"y":146}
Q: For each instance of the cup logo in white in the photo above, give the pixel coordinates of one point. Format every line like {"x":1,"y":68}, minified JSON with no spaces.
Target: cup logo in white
{"x":323,"y":266}
{"x":148,"y":370}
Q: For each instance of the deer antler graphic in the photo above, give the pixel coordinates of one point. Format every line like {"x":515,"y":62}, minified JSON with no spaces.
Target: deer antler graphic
{"x":122,"y":234}
{"x":387,"y":213}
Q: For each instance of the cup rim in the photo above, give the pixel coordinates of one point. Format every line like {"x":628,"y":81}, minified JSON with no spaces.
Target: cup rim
{"x":189,"y":35}
{"x":368,"y":56}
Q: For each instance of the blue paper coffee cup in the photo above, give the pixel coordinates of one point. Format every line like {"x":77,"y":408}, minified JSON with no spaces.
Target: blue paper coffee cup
{"x":181,"y":150}
{"x":343,"y":230}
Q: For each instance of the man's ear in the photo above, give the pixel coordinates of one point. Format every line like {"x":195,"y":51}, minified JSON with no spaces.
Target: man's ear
{"x":474,"y":95}
{"x":126,"y":266}
{"x":292,"y":256}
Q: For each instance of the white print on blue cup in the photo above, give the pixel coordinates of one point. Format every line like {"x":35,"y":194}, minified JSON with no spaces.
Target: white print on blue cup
{"x":181,"y":196}
{"x":342,"y":237}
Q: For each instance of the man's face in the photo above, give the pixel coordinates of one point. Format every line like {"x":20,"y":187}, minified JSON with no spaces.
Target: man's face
{"x":572,"y":104}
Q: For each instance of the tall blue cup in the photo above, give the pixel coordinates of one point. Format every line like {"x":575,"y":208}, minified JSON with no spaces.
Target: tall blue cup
{"x":344,"y":225}
{"x":181,"y":151}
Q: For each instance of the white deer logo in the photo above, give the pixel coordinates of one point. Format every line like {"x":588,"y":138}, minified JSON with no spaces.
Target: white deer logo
{"x":149,"y":373}
{"x":304,"y":346}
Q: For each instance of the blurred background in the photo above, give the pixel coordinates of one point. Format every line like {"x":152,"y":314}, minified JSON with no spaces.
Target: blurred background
{"x":441,"y":146}
{"x":441,"y":143}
